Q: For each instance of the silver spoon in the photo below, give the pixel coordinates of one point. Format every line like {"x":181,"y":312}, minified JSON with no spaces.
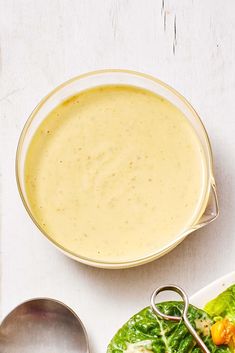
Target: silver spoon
{"x":183,"y":317}
{"x":43,"y":326}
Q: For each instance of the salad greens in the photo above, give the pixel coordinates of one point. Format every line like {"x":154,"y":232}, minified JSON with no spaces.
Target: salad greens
{"x":145,"y":332}
{"x":223,"y":306}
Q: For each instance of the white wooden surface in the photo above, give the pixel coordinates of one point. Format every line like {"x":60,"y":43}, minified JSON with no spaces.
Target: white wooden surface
{"x":189,"y":44}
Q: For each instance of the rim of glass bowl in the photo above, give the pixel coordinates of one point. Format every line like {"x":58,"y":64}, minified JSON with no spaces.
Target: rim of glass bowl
{"x":158,"y":252}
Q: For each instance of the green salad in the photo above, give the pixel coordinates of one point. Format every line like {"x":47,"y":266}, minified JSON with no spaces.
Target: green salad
{"x":145,"y":332}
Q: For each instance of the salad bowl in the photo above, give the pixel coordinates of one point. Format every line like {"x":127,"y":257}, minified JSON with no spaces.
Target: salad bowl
{"x":176,"y":327}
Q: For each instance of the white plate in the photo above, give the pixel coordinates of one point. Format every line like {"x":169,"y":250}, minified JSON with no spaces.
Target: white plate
{"x":211,"y":291}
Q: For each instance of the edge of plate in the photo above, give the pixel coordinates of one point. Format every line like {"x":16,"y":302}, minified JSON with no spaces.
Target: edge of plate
{"x":210,"y":291}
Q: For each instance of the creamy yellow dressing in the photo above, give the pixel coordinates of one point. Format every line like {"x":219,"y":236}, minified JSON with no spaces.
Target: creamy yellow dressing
{"x":115,"y":173}
{"x":139,"y":347}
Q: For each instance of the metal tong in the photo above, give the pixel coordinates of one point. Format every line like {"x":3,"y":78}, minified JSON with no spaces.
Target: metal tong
{"x":183,"y":317}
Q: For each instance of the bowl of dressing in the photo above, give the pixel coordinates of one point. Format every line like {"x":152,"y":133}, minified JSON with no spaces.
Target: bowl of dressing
{"x":115,"y":168}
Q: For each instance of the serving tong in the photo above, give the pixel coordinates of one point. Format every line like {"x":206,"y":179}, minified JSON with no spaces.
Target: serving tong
{"x":183,"y":317}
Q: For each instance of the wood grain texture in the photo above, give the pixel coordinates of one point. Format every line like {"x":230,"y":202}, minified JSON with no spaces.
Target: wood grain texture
{"x":189,"y":44}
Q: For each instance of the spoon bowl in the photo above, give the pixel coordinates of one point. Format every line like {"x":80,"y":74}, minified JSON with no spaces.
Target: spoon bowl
{"x":43,"y":326}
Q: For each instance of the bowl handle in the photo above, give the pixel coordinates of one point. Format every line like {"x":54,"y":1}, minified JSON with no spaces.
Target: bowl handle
{"x":212,"y":209}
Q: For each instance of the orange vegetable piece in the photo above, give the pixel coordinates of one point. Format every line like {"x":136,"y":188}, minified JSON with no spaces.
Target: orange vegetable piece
{"x":223,"y":332}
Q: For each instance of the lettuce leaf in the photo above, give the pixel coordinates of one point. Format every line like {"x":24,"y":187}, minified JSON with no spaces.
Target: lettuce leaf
{"x":223,"y":306}
{"x":146,"y":333}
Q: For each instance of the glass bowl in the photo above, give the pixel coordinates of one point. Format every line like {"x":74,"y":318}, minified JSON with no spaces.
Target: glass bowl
{"x":209,"y":207}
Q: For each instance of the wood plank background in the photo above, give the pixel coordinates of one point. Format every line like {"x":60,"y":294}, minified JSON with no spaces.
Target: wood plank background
{"x":189,"y":44}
